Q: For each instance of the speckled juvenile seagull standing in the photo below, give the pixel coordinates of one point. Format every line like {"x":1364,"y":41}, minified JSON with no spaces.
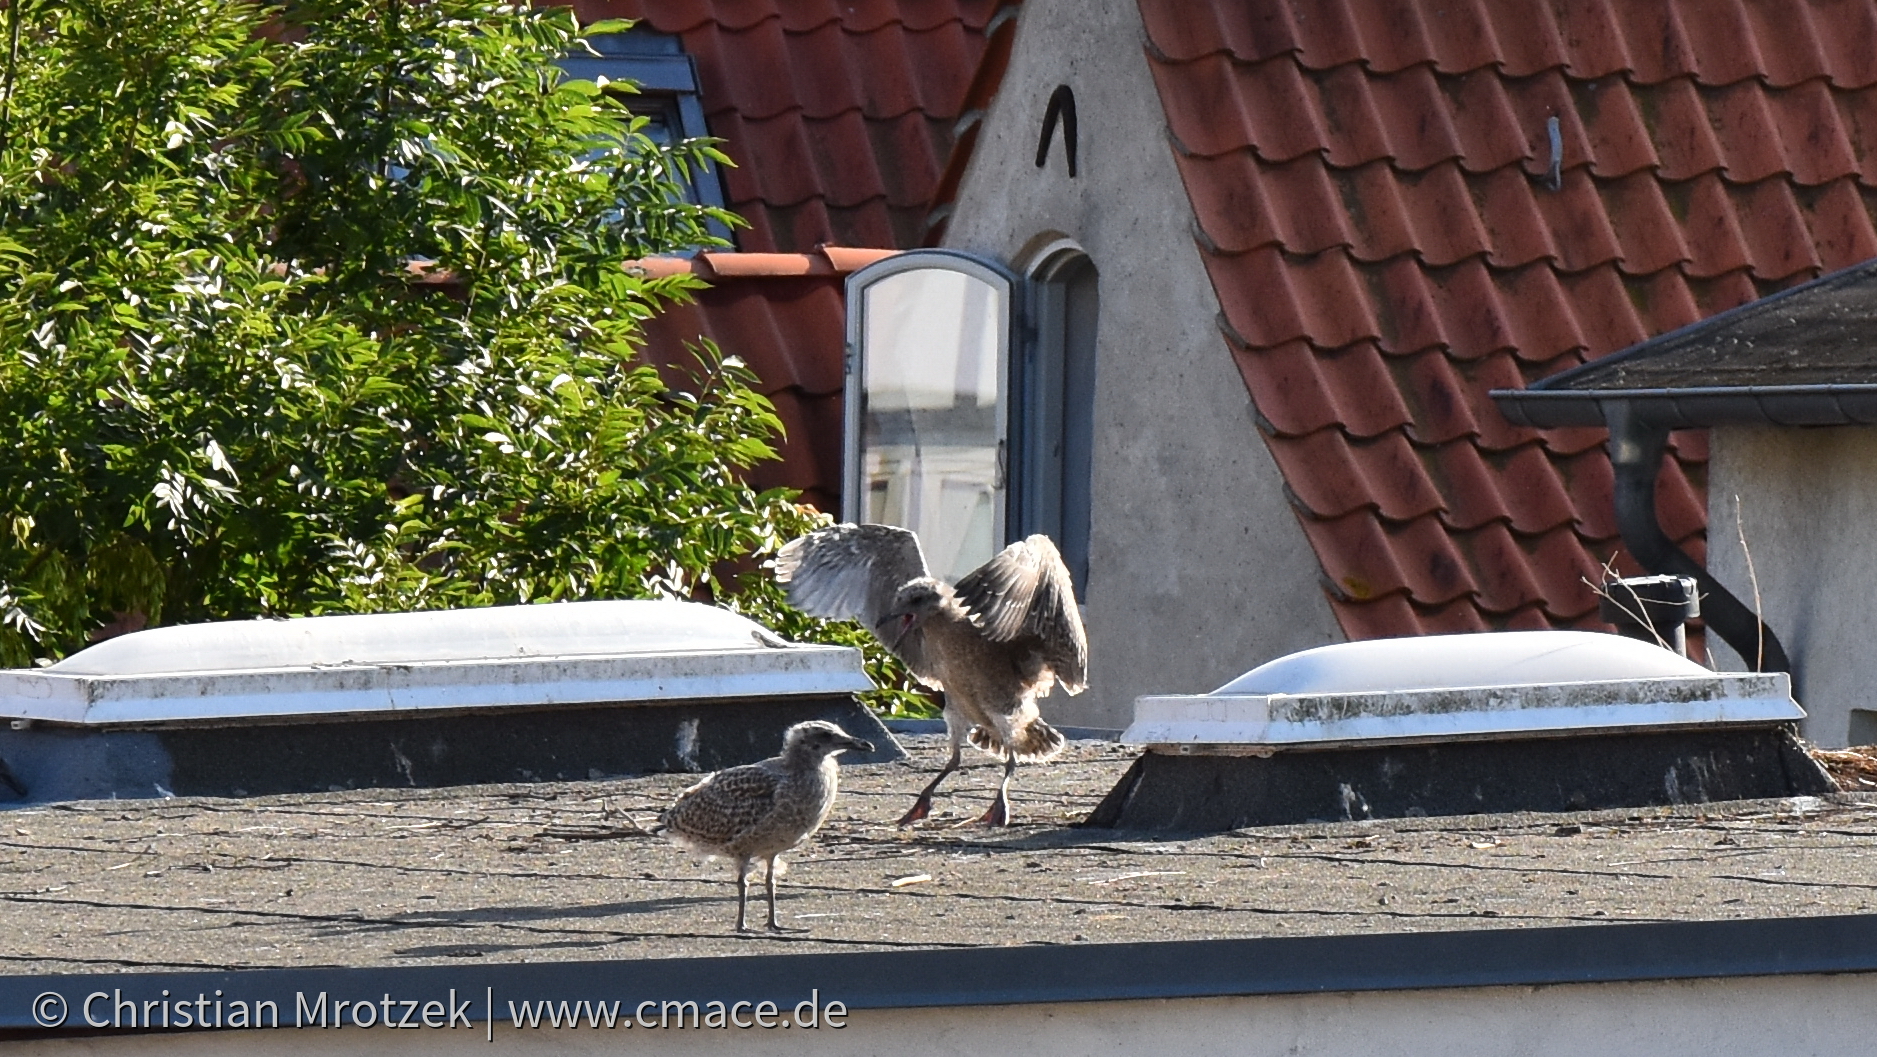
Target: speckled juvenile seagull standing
{"x":995,"y":643}
{"x":760,"y":810}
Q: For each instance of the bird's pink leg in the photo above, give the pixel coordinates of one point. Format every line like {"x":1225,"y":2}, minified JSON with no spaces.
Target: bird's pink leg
{"x":774,"y":925}
{"x":923,"y":806}
{"x":742,"y":894}
{"x":998,"y":814}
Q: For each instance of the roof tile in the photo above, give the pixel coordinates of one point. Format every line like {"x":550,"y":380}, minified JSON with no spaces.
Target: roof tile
{"x":1393,"y":35}
{"x":1493,"y":133}
{"x":1465,"y":37}
{"x":1401,"y":117}
{"x":797,"y":16}
{"x":1560,"y":562}
{"x":1434,"y":215}
{"x":1663,"y":300}
{"x":1593,"y":42}
{"x":1648,"y":237}
{"x":1841,"y":227}
{"x":1462,"y":617}
{"x":1580,"y":226}
{"x":1813,"y":137}
{"x":1841,"y":32}
{"x":1680,"y":505}
{"x":1603,"y":309}
{"x":1518,"y":232}
{"x":1775,"y":230}
{"x":1470,"y":491}
{"x":1381,"y":618}
{"x":1532,"y":102}
{"x":1270,"y":298}
{"x":1690,"y":446}
{"x":1500,"y":568}
{"x":1747,"y":129}
{"x":1722,"y":292}
{"x":1370,"y":177}
{"x":1591,"y":483}
{"x":1717,"y":42}
{"x":1364,"y":558}
{"x":1211,"y":117}
{"x":1332,"y":475}
{"x":1678,"y":124}
{"x":1324,"y":35}
{"x":1658,"y":45}
{"x":1616,"y":137}
{"x":1308,"y":390}
{"x":1243,"y":203}
{"x":1711,"y":231}
{"x":1190,"y":32}
{"x":1526,"y":487}
{"x":840,"y":116}
{"x":1437,"y":395}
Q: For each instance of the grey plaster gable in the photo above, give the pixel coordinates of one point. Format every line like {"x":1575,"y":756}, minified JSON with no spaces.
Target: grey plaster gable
{"x":1199,"y":569}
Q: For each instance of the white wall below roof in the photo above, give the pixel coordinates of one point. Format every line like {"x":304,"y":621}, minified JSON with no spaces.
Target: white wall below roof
{"x":1198,"y":569}
{"x":1793,"y":1016}
{"x":1807,"y":506}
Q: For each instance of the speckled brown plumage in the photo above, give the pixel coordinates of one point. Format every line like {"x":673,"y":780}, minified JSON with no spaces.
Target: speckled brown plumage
{"x":760,"y":810}
{"x":1005,"y":635}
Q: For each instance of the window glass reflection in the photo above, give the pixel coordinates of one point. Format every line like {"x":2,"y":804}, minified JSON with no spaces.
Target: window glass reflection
{"x":931,"y":422}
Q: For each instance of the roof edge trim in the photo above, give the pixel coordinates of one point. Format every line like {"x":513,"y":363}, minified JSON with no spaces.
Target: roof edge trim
{"x":1084,"y":972}
{"x":1834,"y":404}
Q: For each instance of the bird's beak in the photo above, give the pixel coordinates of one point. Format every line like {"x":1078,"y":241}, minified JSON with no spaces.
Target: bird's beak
{"x":860,"y":745}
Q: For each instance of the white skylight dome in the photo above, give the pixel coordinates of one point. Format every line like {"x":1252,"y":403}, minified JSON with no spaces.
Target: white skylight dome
{"x":565,"y":629}
{"x":566,"y":653}
{"x":1505,"y":684}
{"x":1431,"y":662}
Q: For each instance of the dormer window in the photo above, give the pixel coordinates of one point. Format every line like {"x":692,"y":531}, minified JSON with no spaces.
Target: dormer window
{"x":668,"y":95}
{"x":970,"y":403}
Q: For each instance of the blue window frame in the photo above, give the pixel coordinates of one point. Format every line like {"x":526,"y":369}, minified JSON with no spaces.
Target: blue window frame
{"x":668,"y":97}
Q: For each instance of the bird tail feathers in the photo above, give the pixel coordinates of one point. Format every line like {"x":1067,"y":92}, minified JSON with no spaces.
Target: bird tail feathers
{"x":1035,"y":740}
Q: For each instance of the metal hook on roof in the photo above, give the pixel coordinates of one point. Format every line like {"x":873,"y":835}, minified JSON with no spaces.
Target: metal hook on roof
{"x":1555,"y":174}
{"x":1061,"y":104}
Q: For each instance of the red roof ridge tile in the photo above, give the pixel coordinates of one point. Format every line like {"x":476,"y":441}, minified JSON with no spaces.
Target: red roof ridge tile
{"x":795,"y":17}
{"x":730,"y":264}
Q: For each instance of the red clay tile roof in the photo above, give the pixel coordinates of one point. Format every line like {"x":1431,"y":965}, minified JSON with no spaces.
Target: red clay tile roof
{"x":1370,"y":179}
{"x":839,"y":115}
{"x":784,"y":314}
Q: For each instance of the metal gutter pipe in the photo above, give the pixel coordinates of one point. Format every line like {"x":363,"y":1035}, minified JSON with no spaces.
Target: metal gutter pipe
{"x":1636,"y":448}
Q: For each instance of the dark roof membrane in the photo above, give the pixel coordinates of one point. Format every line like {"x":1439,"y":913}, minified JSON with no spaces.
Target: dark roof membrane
{"x":1804,"y":356}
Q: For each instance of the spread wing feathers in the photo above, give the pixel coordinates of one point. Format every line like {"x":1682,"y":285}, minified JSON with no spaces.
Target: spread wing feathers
{"x":718,"y":809}
{"x":847,"y":571}
{"x":1026,"y":591}
{"x":921,"y":664}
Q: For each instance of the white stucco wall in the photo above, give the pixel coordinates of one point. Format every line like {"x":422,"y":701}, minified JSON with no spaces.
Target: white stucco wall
{"x":1793,"y":1016}
{"x":1198,"y":569}
{"x":1805,"y":501}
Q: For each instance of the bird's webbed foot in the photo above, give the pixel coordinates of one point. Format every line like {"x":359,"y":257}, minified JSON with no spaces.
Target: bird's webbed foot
{"x":998,"y":814}
{"x":920,"y":809}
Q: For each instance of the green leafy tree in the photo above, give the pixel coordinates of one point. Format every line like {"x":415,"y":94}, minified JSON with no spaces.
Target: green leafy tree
{"x":324,"y":307}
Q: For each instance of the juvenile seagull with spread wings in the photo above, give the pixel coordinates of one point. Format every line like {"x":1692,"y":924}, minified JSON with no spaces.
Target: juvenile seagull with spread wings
{"x":993,"y":644}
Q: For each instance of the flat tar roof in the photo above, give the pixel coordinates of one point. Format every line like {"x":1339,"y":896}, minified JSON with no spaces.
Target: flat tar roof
{"x":560,"y":872}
